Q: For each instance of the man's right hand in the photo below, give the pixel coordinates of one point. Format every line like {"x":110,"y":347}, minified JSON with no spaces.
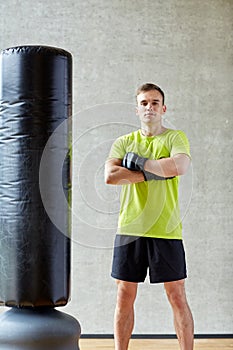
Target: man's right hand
{"x":134,"y":162}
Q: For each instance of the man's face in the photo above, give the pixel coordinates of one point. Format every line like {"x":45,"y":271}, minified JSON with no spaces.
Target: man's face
{"x":150,"y":107}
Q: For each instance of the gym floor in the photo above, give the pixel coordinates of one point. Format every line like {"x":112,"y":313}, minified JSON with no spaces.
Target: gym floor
{"x":156,"y":344}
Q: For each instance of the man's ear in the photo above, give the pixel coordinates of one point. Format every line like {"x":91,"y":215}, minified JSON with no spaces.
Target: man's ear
{"x":164,"y":108}
{"x":136,"y":111}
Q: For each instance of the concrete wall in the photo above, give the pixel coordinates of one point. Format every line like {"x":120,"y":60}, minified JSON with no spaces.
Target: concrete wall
{"x":186,"y":47}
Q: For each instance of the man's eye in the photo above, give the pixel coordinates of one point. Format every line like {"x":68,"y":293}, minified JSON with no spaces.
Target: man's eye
{"x":144,"y":103}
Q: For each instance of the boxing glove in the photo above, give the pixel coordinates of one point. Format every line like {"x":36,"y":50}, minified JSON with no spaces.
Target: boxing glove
{"x":134,"y":162}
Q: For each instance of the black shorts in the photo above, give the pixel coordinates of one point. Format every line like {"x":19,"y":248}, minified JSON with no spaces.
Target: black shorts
{"x":132,"y":256}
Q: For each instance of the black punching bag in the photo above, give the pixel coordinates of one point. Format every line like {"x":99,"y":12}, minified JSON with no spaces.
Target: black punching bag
{"x":35,"y":98}
{"x":35,"y":137}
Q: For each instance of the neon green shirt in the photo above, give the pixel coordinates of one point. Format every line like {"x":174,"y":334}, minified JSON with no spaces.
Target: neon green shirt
{"x":151,"y":208}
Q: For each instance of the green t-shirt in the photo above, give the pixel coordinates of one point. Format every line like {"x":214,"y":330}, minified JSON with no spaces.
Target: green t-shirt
{"x":151,"y":208}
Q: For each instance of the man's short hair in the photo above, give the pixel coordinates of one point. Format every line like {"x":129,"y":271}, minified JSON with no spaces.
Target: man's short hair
{"x":148,"y":87}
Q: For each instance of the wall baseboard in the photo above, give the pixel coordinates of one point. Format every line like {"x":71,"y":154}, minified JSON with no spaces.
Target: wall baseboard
{"x":159,"y":336}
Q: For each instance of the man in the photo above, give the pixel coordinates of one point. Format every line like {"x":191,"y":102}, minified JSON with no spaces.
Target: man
{"x":148,"y":163}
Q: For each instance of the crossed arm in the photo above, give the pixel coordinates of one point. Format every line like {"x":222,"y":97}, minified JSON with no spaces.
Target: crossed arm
{"x":115,"y":174}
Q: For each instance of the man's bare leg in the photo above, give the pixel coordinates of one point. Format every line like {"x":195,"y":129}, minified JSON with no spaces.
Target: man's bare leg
{"x":124,"y":314}
{"x":183,"y":319}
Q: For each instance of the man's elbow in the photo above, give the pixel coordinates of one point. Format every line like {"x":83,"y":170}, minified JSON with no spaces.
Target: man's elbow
{"x":181,"y":171}
{"x":183,"y":167}
{"x":108,"y":179}
{"x":110,"y":171}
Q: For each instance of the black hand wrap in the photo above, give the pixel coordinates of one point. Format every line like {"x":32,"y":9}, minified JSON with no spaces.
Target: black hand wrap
{"x":150,"y":176}
{"x":132,"y":161}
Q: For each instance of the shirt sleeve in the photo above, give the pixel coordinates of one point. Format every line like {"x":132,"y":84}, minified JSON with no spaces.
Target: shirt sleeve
{"x":180,"y":144}
{"x":117,"y":150}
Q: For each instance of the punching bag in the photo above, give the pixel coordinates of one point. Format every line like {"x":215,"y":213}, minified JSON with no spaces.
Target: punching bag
{"x":35,"y":102}
{"x":35,"y":199}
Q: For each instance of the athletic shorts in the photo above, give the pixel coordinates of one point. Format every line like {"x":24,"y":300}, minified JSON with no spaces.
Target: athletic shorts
{"x":134,"y":256}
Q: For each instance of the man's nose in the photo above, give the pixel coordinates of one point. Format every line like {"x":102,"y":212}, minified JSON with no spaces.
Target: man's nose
{"x":149,"y":106}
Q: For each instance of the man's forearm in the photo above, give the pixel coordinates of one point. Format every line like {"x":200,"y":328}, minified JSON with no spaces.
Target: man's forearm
{"x":168,"y":167}
{"x":118,"y":175}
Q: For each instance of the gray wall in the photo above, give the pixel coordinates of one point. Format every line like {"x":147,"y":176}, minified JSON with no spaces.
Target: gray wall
{"x":186,"y":47}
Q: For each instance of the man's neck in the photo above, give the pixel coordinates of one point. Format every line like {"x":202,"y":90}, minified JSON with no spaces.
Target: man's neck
{"x":152,"y":130}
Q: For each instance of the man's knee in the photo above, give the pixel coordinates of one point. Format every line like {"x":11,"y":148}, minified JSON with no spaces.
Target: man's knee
{"x":176,"y":293}
{"x":126,"y":293}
